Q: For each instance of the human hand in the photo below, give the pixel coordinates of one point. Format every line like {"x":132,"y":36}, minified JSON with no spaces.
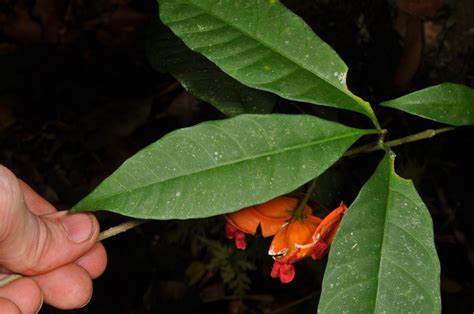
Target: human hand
{"x":58,"y":252}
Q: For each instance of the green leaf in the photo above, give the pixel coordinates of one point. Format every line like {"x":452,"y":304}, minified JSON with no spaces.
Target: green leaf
{"x":447,"y":103}
{"x":383,"y":259}
{"x":202,"y":78}
{"x":264,"y":45}
{"x":218,"y":167}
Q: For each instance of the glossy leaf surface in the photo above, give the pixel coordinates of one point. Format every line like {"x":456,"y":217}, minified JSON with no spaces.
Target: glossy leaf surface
{"x":447,"y":103}
{"x":218,"y":167}
{"x":264,"y":45}
{"x":383,"y":259}
{"x":202,"y":78}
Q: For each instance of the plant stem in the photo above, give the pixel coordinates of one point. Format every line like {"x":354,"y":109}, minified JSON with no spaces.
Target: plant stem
{"x":102,"y":236}
{"x":120,"y":228}
{"x":299,"y":211}
{"x":418,"y":136}
{"x":5,"y":281}
{"x":372,"y":147}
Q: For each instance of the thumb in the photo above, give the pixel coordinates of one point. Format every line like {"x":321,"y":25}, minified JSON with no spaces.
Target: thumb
{"x":31,"y":244}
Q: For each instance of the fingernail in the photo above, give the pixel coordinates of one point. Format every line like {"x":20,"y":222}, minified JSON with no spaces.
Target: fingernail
{"x":79,"y":227}
{"x":87,"y":302}
{"x":41,"y":304}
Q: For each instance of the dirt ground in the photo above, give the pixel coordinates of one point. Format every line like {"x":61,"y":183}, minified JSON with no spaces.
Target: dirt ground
{"x":78,"y":96}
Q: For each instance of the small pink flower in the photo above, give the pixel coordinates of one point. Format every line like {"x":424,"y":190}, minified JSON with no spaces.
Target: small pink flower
{"x":284,"y":271}
{"x":232,"y":232}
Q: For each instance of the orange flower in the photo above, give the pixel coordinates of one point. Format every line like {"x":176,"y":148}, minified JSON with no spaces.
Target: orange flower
{"x":294,"y":238}
{"x":270,"y":216}
{"x":284,"y":248}
{"x":298,"y":239}
{"x":295,"y":232}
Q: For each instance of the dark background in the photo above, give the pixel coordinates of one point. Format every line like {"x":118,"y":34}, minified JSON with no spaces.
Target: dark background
{"x":78,"y":97}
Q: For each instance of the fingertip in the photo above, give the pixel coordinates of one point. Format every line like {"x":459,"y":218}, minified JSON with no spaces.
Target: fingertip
{"x":68,"y":287}
{"x":8,"y":307}
{"x":94,"y":261}
{"x":80,"y":228}
{"x":23,"y":293}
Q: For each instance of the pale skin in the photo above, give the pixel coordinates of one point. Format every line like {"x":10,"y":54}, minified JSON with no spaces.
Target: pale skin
{"x":57,"y":253}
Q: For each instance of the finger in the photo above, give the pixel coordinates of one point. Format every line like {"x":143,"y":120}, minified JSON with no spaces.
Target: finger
{"x":94,"y":261}
{"x":8,"y":307}
{"x":49,"y":242}
{"x":24,"y":293}
{"x":67,"y":287}
{"x":37,"y":204}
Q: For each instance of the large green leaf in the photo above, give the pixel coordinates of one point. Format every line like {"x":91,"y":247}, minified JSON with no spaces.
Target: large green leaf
{"x":383,"y":259}
{"x":202,"y":78}
{"x":448,"y":103}
{"x":264,"y":45}
{"x":221,"y":166}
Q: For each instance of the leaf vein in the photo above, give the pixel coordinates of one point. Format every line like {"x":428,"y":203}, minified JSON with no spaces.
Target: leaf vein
{"x":248,"y":158}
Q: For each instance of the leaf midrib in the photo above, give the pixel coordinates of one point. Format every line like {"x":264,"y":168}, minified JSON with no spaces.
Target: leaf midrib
{"x":263,"y":43}
{"x":389,"y":199}
{"x":391,"y":190}
{"x":233,"y":162}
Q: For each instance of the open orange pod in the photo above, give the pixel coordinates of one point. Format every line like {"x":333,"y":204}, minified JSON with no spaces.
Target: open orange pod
{"x":295,"y":236}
